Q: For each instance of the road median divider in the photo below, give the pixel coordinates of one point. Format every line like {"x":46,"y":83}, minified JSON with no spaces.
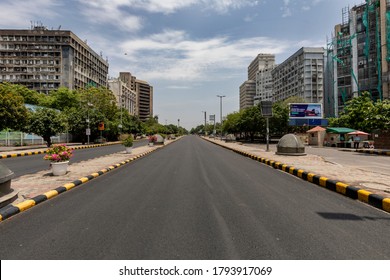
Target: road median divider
{"x":43,"y":151}
{"x":11,"y":210}
{"x":353,"y":192}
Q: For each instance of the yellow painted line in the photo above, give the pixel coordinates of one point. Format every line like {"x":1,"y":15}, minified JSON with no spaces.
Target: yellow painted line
{"x":363,"y":195}
{"x":69,"y":186}
{"x":95,"y":174}
{"x":277,"y":164}
{"x":310,"y":177}
{"x":271,"y":162}
{"x":388,"y":153}
{"x":341,"y":188}
{"x":14,"y":155}
{"x":84,"y":179}
{"x":323,"y":181}
{"x":112,"y":167}
{"x":51,"y":194}
{"x":284,"y":167}
{"x":291,"y":171}
{"x":1,"y":217}
{"x":25,"y":205}
{"x":386,"y":204}
{"x":300,"y":172}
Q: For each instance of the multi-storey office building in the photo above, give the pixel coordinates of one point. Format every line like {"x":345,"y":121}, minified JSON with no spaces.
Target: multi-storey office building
{"x":302,"y":75}
{"x":144,"y":95}
{"x":144,"y":100}
{"x":125,"y":97}
{"x":43,"y":60}
{"x":358,"y":54}
{"x":261,"y":61}
{"x":247,"y":93}
{"x":264,"y":85}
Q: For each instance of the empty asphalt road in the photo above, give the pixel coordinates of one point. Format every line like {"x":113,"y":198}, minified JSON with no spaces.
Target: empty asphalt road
{"x":195,"y":200}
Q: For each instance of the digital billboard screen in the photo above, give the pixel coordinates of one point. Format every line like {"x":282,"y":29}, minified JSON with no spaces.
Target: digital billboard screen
{"x":305,"y":110}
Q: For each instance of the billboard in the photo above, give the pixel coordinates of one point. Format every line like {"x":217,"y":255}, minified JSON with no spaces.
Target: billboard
{"x":305,"y":110}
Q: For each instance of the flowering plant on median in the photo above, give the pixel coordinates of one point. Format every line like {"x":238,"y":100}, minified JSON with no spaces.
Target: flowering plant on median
{"x":58,"y":153}
{"x":152,"y":138}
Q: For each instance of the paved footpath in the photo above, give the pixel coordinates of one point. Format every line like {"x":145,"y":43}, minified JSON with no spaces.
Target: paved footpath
{"x":374,"y":181}
{"x":32,"y":185}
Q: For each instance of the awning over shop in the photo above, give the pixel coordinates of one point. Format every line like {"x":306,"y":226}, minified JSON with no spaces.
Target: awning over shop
{"x":339,"y":130}
{"x":316,"y":129}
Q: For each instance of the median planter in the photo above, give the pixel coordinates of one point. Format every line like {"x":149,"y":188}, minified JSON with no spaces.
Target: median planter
{"x":59,"y":156}
{"x":128,"y":143}
{"x":59,"y":168}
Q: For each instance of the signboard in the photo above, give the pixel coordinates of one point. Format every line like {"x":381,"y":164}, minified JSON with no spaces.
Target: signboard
{"x":212,"y":118}
{"x":266,"y":108}
{"x":305,"y":111}
{"x":88,"y":131}
{"x":308,"y":122}
{"x":101,"y":126}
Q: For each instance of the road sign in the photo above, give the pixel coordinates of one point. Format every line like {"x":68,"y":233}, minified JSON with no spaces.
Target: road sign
{"x":101,"y":126}
{"x":88,"y":131}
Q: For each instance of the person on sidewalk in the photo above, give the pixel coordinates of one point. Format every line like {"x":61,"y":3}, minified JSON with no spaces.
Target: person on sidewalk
{"x":356,"y":142}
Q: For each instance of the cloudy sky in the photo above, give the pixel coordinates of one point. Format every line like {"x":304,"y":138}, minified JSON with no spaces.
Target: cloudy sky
{"x":189,"y":50}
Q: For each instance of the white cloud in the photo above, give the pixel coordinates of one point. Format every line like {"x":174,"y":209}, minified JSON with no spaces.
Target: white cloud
{"x":14,"y":14}
{"x":172,"y":55}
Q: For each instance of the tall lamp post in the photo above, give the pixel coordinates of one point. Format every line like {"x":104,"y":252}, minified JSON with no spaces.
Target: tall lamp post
{"x":88,"y":130}
{"x":220,"y":109}
{"x":204,"y":122}
{"x":266,"y":111}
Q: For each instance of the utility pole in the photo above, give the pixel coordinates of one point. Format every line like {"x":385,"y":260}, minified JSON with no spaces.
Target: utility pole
{"x":220,"y":102}
{"x":205,"y":114}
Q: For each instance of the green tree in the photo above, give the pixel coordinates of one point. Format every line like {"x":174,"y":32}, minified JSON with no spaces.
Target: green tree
{"x":29,"y":96}
{"x":46,"y":122}
{"x":63,"y":98}
{"x":233,"y":123}
{"x":252,"y":122}
{"x":13,"y":113}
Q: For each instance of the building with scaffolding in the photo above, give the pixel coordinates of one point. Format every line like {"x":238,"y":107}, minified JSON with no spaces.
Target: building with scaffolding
{"x":358,"y":55}
{"x":44,"y":60}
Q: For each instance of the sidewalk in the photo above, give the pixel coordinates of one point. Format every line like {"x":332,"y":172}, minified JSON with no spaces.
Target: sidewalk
{"x":32,"y":185}
{"x":374,"y":181}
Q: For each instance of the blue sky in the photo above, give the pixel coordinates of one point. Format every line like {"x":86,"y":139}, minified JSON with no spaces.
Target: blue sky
{"x":189,"y":50}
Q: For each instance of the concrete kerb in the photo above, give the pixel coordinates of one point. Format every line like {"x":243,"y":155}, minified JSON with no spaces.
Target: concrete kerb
{"x":362,"y":195}
{"x":10,"y":155}
{"x":12,"y":210}
{"x":371,"y":152}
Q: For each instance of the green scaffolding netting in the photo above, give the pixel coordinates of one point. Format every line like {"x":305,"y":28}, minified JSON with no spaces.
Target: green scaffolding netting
{"x":388,"y":35}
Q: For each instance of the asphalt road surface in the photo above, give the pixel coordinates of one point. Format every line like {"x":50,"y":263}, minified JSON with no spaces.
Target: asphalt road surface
{"x":195,"y":200}
{"x":35,"y":163}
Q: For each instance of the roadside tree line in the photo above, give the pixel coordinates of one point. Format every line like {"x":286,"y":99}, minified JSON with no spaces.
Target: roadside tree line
{"x":360,"y":113}
{"x":68,"y":111}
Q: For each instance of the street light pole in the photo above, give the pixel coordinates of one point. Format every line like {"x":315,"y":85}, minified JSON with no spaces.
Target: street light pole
{"x":220,"y":109}
{"x":204,"y":122}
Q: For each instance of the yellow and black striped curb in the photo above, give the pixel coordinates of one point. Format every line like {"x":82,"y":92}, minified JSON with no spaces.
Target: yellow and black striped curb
{"x":333,"y":185}
{"x":375,"y":152}
{"x":12,"y":210}
{"x":44,"y":151}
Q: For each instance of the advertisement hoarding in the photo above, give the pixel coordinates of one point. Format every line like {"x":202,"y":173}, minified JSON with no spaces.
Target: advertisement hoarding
{"x":305,"y":111}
